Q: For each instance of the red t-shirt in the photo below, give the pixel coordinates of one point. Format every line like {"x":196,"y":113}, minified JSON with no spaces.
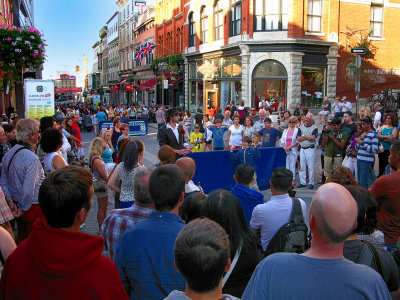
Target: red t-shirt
{"x":386,"y":189}
{"x":75,"y":131}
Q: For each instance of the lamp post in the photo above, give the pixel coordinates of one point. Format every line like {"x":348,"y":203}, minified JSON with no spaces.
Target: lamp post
{"x":162,"y":68}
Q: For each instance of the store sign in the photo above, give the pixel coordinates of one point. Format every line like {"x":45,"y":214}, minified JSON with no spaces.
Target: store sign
{"x":207,"y":69}
{"x":237,"y":70}
{"x":39,"y":98}
{"x":136,"y":127}
{"x":129,"y":87}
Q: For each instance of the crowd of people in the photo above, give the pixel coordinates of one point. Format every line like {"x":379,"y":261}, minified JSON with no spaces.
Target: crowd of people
{"x":167,"y":239}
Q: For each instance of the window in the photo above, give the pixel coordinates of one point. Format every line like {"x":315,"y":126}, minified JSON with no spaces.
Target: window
{"x":218,"y":21}
{"x":192,"y":31}
{"x":203,"y":25}
{"x":236,"y":18}
{"x":314,"y":15}
{"x":376,"y":18}
{"x":270,"y":15}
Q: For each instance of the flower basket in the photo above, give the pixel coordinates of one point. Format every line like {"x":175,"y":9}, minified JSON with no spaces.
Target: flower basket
{"x":20,"y":48}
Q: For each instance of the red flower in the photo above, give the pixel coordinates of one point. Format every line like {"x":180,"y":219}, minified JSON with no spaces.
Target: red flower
{"x":183,"y":131}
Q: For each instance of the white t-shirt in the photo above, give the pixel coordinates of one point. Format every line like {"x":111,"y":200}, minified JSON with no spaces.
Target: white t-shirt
{"x":269,"y":217}
{"x":236,"y":135}
{"x":377,"y":118}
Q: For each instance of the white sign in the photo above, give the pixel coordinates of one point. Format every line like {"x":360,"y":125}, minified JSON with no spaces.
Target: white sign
{"x":165,"y":84}
{"x":96,"y":99}
{"x":39,"y":98}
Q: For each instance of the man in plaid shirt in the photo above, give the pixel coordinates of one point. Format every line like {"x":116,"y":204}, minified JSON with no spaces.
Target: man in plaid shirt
{"x":121,"y":220}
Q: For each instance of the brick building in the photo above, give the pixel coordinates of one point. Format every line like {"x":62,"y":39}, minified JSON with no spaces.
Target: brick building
{"x":144,"y":75}
{"x":287,"y":51}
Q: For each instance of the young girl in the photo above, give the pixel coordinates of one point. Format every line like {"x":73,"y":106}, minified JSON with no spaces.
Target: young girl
{"x":187,"y":122}
{"x":208,"y":136}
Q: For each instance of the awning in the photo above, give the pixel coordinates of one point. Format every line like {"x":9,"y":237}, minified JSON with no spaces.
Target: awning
{"x":151,"y":83}
{"x":123,"y":81}
{"x":175,"y":81}
{"x":68,"y":90}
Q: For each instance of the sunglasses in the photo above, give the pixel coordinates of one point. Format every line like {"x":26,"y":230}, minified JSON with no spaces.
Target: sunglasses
{"x":252,"y":110}
{"x":292,"y":122}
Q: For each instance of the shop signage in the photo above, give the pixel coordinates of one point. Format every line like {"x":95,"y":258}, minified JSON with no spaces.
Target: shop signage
{"x":237,"y":70}
{"x":39,"y":98}
{"x":136,"y":127}
{"x":129,"y":87}
{"x":358,"y":50}
{"x":207,"y":69}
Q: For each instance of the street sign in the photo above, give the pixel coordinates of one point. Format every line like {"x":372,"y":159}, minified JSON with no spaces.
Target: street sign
{"x":358,"y":50}
{"x":358,"y":86}
{"x":358,"y":61}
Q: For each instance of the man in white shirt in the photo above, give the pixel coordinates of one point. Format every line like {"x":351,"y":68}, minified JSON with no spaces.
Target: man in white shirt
{"x":269,"y":217}
{"x":346,"y":105}
{"x":258,"y":125}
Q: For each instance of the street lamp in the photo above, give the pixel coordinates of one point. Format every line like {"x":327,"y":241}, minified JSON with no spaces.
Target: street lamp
{"x":162,"y":68}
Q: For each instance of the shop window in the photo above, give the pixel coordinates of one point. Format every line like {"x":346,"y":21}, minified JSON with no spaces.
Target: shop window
{"x":312,"y":86}
{"x":236,"y":18}
{"x":376,"y":22}
{"x":203,"y":25}
{"x":192,"y":31}
{"x":314,"y":16}
{"x":218,"y":21}
{"x":270,"y":15}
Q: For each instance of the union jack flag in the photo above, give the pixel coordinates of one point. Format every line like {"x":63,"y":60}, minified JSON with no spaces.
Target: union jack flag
{"x":148,"y":48}
{"x":138,"y":53}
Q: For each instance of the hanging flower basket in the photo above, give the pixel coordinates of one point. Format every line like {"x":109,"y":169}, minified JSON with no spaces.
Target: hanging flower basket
{"x":20,"y":48}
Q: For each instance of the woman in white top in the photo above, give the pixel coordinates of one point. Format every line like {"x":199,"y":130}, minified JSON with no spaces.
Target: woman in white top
{"x":51,"y":143}
{"x":235,"y":134}
{"x":289,"y":143}
{"x":126,"y":171}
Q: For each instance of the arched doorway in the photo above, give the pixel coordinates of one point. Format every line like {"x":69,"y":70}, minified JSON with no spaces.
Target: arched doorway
{"x":269,"y":82}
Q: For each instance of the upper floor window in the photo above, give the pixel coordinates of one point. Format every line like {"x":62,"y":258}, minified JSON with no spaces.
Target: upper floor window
{"x":218,"y":21}
{"x":376,"y":22}
{"x":192,"y":31}
{"x":236,"y":17}
{"x":203,"y":25}
{"x":270,"y":15}
{"x":314,"y":16}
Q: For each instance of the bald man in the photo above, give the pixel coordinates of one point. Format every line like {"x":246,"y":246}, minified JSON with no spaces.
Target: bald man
{"x":322,"y":272}
{"x":188,"y":167}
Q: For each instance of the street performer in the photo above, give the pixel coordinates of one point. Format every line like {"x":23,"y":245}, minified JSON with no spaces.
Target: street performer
{"x":173,"y":134}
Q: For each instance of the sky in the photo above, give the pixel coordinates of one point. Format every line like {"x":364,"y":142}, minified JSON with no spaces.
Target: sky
{"x":70,"y":28}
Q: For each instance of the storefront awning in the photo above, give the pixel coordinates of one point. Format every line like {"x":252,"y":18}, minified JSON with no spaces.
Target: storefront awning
{"x":151,"y":83}
{"x":68,"y":90}
{"x":175,"y":81}
{"x":123,"y":81}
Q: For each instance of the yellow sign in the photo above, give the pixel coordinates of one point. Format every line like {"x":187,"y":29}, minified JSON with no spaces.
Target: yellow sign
{"x":236,"y":70}
{"x":121,"y":3}
{"x":207,"y":69}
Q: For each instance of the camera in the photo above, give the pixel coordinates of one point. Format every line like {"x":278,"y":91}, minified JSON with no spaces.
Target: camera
{"x":327,"y":131}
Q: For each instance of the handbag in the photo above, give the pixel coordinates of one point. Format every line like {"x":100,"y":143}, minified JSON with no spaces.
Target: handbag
{"x":99,"y":184}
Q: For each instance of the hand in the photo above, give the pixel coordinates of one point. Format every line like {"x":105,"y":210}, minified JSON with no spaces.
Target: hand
{"x":13,"y":206}
{"x":363,"y":135}
{"x":331,"y":136}
{"x":18,"y":213}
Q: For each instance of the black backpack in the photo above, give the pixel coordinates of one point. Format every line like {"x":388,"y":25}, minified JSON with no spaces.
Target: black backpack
{"x":292,"y":236}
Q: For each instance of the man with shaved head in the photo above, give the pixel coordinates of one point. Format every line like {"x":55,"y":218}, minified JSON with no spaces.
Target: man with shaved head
{"x":322,"y":272}
{"x":188,"y":167}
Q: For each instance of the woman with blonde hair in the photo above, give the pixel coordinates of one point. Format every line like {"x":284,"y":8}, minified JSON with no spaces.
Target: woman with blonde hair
{"x":100,"y":177}
{"x":364,"y":112}
{"x":289,"y":144}
{"x":107,"y":156}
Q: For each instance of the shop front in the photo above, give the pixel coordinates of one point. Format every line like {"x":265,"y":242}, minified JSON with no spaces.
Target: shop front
{"x":214,"y":83}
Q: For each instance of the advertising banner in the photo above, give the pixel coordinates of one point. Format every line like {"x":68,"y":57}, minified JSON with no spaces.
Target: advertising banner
{"x":96,"y":99}
{"x":39,"y":98}
{"x":136,"y":127}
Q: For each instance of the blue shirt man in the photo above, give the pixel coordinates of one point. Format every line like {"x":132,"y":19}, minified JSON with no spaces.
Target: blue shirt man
{"x":269,"y":134}
{"x":145,"y":254}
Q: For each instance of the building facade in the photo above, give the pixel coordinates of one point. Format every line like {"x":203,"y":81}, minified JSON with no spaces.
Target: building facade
{"x":113,"y":57}
{"x":286,"y":51}
{"x":144,"y":33}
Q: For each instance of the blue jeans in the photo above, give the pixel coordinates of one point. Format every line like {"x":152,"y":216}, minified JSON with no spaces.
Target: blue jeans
{"x":365,"y":173}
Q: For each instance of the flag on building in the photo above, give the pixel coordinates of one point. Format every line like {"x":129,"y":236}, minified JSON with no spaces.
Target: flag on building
{"x":144,"y":51}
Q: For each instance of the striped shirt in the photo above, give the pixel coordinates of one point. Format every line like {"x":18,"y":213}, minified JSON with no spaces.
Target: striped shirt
{"x":23,"y":179}
{"x":368,"y":148}
{"x":121,"y":220}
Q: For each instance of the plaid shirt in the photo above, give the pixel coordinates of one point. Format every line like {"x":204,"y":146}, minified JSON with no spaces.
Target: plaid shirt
{"x":119,"y":221}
